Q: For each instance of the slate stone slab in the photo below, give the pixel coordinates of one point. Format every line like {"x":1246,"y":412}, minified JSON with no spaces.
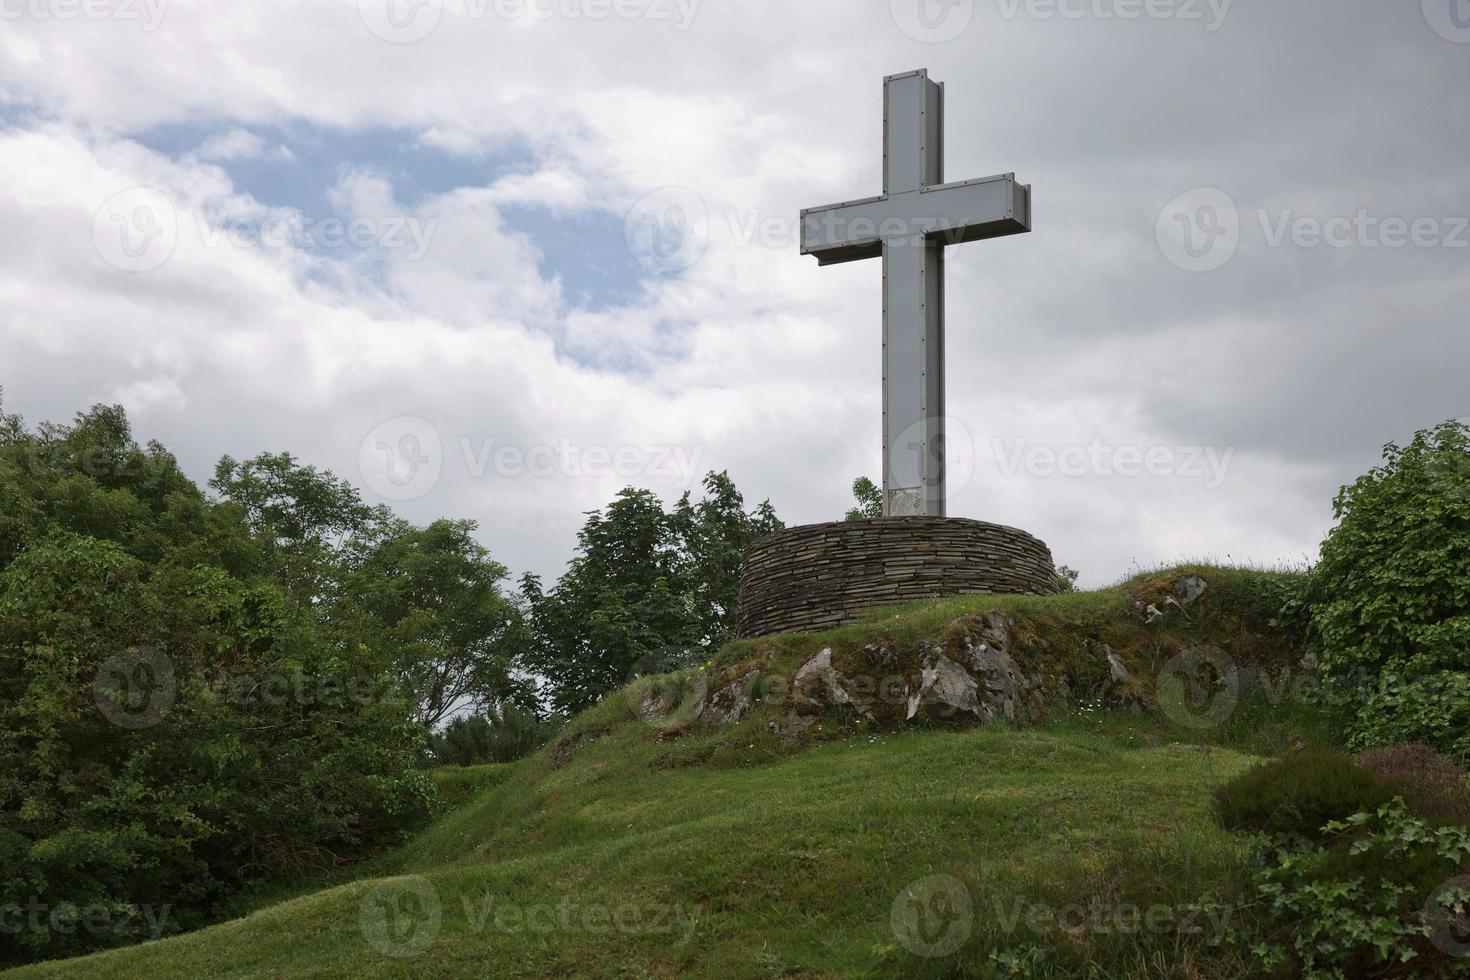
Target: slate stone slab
{"x":819,"y":576}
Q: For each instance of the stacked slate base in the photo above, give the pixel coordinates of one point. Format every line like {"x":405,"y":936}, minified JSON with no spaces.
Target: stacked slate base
{"x":816,"y":577}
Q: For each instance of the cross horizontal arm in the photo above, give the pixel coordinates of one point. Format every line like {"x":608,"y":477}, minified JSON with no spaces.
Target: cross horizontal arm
{"x":967,"y":211}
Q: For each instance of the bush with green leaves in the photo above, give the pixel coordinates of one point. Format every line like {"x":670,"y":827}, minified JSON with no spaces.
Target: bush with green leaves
{"x":1365,"y":896}
{"x":199,"y":693}
{"x":649,"y":590}
{"x":503,"y":734}
{"x":869,"y":497}
{"x":1391,"y":595}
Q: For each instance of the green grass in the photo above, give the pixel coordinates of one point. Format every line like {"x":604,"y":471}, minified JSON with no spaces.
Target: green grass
{"x":457,"y":785}
{"x":791,"y":866}
{"x":732,"y":852}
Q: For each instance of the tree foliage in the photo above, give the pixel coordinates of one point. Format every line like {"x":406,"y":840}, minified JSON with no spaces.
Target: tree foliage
{"x":1391,"y":595}
{"x":648,"y":590}
{"x":432,"y":597}
{"x":199,"y":693}
{"x":501,"y":734}
{"x":869,"y":498}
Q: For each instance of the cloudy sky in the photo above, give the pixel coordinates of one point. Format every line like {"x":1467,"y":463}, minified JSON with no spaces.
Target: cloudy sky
{"x":498,"y":258}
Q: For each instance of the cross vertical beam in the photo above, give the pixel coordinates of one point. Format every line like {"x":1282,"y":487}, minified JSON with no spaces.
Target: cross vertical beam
{"x":913,"y":306}
{"x":909,"y":226}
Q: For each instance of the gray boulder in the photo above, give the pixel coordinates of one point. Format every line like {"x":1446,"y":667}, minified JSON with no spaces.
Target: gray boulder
{"x":945,"y":690}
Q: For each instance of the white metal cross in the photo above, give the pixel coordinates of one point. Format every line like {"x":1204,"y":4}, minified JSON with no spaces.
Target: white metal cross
{"x":910,"y":225}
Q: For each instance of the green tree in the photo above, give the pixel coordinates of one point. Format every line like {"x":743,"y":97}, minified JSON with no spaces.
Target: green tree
{"x":869,"y":498}
{"x":712,"y":537}
{"x":180,"y":711}
{"x":1391,"y":594}
{"x":647,"y":590}
{"x":93,"y":478}
{"x":501,"y":734}
{"x":620,"y":602}
{"x":301,"y":519}
{"x":435,"y":607}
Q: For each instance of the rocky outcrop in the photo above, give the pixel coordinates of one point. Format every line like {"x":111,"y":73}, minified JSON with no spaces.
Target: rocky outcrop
{"x":1190,"y":588}
{"x":945,"y":690}
{"x":728,"y":704}
{"x":993,"y":666}
{"x":974,"y":679}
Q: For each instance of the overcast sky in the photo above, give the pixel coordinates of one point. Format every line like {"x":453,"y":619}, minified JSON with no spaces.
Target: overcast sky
{"x":499,"y":258}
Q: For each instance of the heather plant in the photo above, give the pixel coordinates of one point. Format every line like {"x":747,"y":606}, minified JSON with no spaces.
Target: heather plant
{"x":1433,"y":786}
{"x":1299,"y":793}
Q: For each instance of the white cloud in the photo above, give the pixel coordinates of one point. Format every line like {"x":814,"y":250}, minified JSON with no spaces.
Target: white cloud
{"x":1301,"y":362}
{"x":241,"y":144}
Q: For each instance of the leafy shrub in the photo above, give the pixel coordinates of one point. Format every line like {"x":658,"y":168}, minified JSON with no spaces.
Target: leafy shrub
{"x":646,"y":585}
{"x":1431,"y":707}
{"x":1391,"y":595}
{"x":187,"y":703}
{"x":869,"y":497}
{"x":170,"y":736}
{"x":1353,"y":902}
{"x":1433,"y":786}
{"x":1299,"y":793}
{"x":502,"y":735}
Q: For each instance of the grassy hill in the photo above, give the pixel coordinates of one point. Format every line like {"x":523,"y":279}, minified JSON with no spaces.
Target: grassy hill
{"x":1080,"y":846}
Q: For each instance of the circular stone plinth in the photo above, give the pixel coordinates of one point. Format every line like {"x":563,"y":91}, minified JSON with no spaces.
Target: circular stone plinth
{"x":819,"y":576}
